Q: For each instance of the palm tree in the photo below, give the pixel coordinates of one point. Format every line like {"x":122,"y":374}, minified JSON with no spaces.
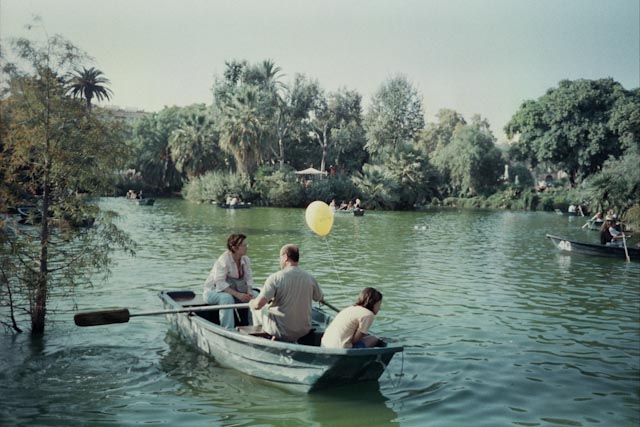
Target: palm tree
{"x":89,"y":83}
{"x":242,"y":129}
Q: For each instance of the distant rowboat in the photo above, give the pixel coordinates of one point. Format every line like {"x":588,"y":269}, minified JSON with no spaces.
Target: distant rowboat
{"x":583,"y":248}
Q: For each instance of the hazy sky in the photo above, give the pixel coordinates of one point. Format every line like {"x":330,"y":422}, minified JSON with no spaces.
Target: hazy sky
{"x":473,"y":56}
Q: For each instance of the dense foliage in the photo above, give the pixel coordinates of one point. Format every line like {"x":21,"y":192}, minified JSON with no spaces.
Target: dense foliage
{"x":55,"y":154}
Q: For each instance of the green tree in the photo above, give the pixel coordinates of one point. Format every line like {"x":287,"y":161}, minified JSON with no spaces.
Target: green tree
{"x":471,"y":162}
{"x":410,"y":170}
{"x":242,"y":129}
{"x":52,"y":149}
{"x":294,"y":105}
{"x":336,"y":119}
{"x":87,"y":84}
{"x":395,"y":116}
{"x":378,"y":186}
{"x":617,"y":185}
{"x":154,"y":159}
{"x":245,"y":102}
{"x":575,"y":127}
{"x":194,"y":144}
{"x":438,"y":135}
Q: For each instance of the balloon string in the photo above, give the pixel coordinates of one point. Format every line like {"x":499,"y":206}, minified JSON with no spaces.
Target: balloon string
{"x":333,"y":260}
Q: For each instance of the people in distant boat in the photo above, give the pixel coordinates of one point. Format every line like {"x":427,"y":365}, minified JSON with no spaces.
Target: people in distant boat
{"x":350,"y":205}
{"x":350,"y":328}
{"x":231,"y":279}
{"x":284,"y":304}
{"x":356,"y":205}
{"x":140,"y":196}
{"x":343,"y":206}
{"x":332,"y":205}
{"x":610,"y":235}
{"x":572,"y":208}
{"x":131,"y":194}
{"x":598,"y":217}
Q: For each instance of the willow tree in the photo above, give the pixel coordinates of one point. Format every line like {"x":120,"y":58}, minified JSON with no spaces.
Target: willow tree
{"x":53,"y":155}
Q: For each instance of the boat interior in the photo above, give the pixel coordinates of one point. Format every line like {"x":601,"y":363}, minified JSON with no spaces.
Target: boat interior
{"x":190,"y":299}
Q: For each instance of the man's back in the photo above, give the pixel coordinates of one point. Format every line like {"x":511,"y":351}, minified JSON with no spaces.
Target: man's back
{"x":293,"y":291}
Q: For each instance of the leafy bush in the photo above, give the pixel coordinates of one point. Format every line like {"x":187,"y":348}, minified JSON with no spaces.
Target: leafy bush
{"x":216,"y":187}
{"x":279,"y":188}
{"x":338,"y":188}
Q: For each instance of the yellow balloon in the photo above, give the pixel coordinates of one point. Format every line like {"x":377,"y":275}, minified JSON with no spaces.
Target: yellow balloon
{"x":319,"y":218}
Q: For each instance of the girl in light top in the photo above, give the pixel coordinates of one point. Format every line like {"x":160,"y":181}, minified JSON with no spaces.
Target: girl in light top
{"x":350,"y":328}
{"x":230,"y":280}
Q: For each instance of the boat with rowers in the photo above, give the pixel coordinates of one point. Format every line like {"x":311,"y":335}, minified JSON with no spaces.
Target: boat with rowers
{"x":301,"y":366}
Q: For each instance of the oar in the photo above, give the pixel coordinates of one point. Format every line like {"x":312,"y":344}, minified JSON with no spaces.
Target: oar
{"x":122,"y":315}
{"x":626,"y":252}
{"x":330,"y":306}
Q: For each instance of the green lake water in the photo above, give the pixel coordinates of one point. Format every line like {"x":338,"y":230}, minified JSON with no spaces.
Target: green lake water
{"x":499,"y":328}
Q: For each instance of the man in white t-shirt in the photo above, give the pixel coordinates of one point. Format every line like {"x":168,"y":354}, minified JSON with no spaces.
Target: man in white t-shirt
{"x":291,"y":292}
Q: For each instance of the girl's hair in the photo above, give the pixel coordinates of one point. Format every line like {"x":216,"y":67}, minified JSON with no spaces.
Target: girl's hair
{"x":368,"y":298}
{"x":235,"y":240}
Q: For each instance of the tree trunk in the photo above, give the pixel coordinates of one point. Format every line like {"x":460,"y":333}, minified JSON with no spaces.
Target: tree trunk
{"x":38,"y":300}
{"x":281,"y":147}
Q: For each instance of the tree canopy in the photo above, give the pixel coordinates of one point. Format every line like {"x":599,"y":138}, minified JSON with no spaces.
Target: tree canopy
{"x":53,"y":156}
{"x":576,"y":127}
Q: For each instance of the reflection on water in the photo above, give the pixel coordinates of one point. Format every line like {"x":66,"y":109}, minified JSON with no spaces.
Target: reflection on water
{"x":499,"y":327}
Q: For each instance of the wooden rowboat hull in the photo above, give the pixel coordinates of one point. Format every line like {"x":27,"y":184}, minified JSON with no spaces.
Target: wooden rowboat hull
{"x":299,"y":367}
{"x":583,"y":248}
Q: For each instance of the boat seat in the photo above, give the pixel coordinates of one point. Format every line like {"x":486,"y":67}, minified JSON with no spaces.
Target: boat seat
{"x":255,"y":331}
{"x":193,"y":302}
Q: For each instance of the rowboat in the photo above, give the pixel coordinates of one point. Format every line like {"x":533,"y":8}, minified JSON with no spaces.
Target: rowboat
{"x":303,"y":366}
{"x":355,"y":212}
{"x":145,"y":202}
{"x":235,"y":206}
{"x":583,"y":248}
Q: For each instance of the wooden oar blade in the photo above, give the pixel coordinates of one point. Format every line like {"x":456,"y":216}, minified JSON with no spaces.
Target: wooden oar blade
{"x":105,"y":317}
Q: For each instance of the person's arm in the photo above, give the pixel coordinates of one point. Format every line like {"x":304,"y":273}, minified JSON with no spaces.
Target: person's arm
{"x":318,"y":295}
{"x":363,"y":328}
{"x":257,"y":303}
{"x":217,"y":276}
{"x":218,"y":279}
{"x":248,"y":275}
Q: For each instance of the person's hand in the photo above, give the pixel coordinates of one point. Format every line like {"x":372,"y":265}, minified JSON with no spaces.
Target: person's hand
{"x":245,"y":297}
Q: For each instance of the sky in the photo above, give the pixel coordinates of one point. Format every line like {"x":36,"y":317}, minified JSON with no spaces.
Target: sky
{"x":474,"y":56}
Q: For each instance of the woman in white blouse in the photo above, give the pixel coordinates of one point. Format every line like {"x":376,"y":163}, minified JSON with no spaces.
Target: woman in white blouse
{"x":230,"y":280}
